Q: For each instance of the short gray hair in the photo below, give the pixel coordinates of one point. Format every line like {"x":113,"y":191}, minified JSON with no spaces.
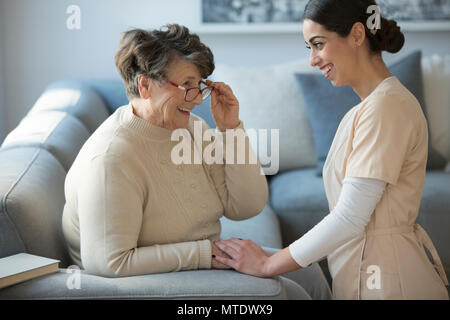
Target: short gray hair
{"x":151,"y":52}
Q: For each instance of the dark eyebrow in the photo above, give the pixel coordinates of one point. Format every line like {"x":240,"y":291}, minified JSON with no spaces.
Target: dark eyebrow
{"x":314,"y":38}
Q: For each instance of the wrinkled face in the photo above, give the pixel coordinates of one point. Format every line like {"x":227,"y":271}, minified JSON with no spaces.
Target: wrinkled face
{"x":169,"y":109}
{"x":331,"y":53}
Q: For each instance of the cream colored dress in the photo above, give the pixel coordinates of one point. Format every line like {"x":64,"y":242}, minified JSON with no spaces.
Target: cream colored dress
{"x":384,"y":137}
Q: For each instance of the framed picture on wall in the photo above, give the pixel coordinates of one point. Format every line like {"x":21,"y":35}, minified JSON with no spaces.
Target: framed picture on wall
{"x":417,"y":15}
{"x":252,"y":15}
{"x":235,"y":16}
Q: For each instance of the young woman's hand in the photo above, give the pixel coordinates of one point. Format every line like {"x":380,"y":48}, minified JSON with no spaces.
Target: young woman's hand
{"x":245,"y":256}
{"x":224,"y":106}
{"x":216,"y":252}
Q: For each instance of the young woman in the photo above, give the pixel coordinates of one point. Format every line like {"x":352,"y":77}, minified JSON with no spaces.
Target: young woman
{"x":373,"y":176}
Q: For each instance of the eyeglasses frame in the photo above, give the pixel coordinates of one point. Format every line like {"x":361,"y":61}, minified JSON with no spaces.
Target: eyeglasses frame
{"x":200,"y":91}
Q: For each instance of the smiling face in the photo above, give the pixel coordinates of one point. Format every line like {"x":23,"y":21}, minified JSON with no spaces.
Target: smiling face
{"x":168,"y":109}
{"x":334,"y":55}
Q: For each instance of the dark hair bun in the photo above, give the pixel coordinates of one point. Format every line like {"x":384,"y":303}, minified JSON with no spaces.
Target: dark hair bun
{"x":391,"y":39}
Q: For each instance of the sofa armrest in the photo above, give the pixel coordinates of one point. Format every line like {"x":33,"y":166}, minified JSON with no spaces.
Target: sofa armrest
{"x":199,"y":284}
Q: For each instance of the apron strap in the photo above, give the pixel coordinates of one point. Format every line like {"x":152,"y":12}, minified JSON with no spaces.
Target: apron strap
{"x":395,"y":230}
{"x":423,"y":237}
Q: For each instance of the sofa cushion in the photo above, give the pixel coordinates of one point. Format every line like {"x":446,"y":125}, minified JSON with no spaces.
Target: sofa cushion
{"x":269,"y":98}
{"x":298,"y":197}
{"x":266,"y":234}
{"x":32,"y":200}
{"x":327,"y":105}
{"x":434,"y":214}
{"x":409,"y":71}
{"x":198,"y":284}
{"x":436,"y":80}
{"x":112,"y":92}
{"x":75,"y":98}
{"x":56,"y":131}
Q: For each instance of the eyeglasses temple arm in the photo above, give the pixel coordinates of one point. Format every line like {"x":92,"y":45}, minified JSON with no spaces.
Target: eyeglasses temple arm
{"x":176,"y":85}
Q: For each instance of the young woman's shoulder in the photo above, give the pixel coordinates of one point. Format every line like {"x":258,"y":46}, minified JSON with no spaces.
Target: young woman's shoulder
{"x":393,"y":101}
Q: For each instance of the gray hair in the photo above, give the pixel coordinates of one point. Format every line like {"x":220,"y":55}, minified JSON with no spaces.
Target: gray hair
{"x":151,"y":52}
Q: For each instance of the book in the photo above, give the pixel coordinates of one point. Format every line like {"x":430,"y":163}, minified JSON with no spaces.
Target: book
{"x":23,"y":266}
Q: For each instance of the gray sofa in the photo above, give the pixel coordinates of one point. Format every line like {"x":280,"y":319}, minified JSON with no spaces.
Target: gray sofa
{"x":34,"y":160}
{"x":35,"y":157}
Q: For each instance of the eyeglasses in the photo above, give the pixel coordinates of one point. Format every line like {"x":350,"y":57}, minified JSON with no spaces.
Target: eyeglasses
{"x":192,"y":93}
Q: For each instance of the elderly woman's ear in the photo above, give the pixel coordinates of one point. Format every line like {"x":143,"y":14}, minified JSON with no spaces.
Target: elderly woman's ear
{"x":144,"y":86}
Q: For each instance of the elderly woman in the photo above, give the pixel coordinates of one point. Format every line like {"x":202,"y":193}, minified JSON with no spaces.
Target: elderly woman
{"x":130,"y":209}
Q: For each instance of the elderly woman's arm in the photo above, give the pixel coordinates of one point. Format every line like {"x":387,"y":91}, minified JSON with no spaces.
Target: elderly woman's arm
{"x":110,"y":206}
{"x":242,"y":188}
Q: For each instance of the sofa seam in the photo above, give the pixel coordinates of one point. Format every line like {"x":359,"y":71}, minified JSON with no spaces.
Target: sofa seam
{"x":42,"y":144}
{"x":67,"y":114}
{"x":13,"y":185}
{"x":70,"y":106}
{"x":38,"y":145}
{"x":54,"y":126}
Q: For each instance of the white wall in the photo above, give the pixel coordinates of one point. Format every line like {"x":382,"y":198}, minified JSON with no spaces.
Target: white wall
{"x":38,"y":48}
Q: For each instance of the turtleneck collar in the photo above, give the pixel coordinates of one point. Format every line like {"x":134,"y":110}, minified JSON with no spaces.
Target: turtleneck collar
{"x":142,"y":127}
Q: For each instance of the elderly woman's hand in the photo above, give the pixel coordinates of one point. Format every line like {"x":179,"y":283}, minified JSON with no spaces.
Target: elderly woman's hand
{"x":216,"y":252}
{"x":224,"y":106}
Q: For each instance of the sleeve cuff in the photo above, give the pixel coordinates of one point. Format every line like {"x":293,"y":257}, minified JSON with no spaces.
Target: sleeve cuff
{"x":205,"y":254}
{"x":239,"y":126}
{"x":300,"y":261}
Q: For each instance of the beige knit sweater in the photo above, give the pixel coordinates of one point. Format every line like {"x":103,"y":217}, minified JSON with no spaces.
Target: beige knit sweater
{"x":130,"y":210}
